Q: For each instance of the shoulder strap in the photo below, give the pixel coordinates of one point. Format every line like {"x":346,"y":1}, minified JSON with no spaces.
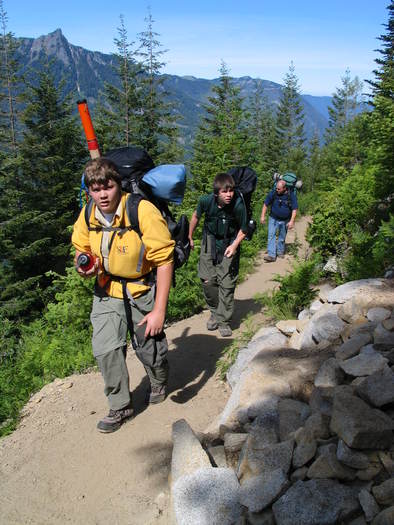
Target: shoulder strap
{"x":132,"y":202}
{"x":88,"y":211}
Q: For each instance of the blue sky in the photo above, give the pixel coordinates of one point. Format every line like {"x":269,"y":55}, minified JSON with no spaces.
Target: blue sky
{"x":254,"y":38}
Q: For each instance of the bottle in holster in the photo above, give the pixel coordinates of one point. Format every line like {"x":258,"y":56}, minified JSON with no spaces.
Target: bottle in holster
{"x":85,"y":261}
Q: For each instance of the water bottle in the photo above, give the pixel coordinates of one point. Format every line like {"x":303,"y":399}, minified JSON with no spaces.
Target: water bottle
{"x":251,"y":229}
{"x":85,"y":261}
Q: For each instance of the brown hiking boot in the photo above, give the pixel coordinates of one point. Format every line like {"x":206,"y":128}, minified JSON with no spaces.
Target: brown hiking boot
{"x":225,"y":330}
{"x":212,"y":324}
{"x":269,"y":258}
{"x":114,"y":419}
{"x":280,"y":255}
{"x":157,"y":394}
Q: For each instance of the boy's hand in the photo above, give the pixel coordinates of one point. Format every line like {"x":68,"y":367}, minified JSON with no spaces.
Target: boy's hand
{"x":154,"y":323}
{"x":191,"y":243}
{"x":229,"y":251}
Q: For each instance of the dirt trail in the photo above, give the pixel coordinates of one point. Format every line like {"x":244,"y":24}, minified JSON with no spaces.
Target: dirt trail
{"x":57,"y":469}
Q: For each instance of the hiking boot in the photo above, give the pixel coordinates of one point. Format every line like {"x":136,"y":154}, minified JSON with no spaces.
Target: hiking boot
{"x":114,"y":419}
{"x":280,"y":255}
{"x":157,"y":394}
{"x":269,"y":258}
{"x":225,"y":330}
{"x":212,"y":324}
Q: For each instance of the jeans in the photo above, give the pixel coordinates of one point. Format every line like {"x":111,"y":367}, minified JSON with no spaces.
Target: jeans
{"x":276,"y":247}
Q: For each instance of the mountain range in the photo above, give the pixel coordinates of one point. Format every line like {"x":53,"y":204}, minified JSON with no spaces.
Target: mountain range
{"x":85,"y":73}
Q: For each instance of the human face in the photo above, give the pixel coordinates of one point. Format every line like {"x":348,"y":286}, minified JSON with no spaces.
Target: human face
{"x":106,"y":196}
{"x":280,"y":188}
{"x":225,"y":196}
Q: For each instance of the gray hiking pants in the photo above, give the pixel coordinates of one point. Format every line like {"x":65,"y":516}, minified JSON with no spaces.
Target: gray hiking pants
{"x":109,"y":344}
{"x":218,"y":282}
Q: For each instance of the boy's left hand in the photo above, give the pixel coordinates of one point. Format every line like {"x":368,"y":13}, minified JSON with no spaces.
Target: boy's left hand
{"x":154,"y":323}
{"x":229,"y":251}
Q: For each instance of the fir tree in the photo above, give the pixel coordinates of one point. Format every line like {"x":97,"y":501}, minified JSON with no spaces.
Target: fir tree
{"x":290,"y":124}
{"x":35,"y":218}
{"x":345,"y":103}
{"x":158,"y":132}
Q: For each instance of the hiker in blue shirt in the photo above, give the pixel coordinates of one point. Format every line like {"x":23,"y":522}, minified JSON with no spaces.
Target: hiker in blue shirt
{"x":283,"y":211}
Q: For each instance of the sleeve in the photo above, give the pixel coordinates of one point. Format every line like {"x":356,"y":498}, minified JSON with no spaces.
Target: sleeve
{"x":294,"y":202}
{"x":202,"y":205}
{"x":159,"y":247}
{"x":269,"y":199}
{"x":80,"y":235}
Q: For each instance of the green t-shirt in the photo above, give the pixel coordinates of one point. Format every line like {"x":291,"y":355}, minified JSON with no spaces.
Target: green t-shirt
{"x":223,"y":223}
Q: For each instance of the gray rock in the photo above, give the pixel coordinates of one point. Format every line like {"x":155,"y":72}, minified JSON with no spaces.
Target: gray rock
{"x":384,"y":493}
{"x":387,"y":460}
{"x":366,"y":363}
{"x":378,"y":314}
{"x":304,"y":314}
{"x":386,"y":517}
{"x":207,"y":497}
{"x":218,"y":455}
{"x":329,"y":374}
{"x":383,"y":339}
{"x":324,"y":327}
{"x":323,"y":290}
{"x":315,"y":306}
{"x":318,"y":425}
{"x":369,"y":473}
{"x":264,"y":430}
{"x":346,"y":291}
{"x":351,"y":458}
{"x":253,"y":462}
{"x":359,"y":425}
{"x":233,"y":442}
{"x":388,"y":324}
{"x":268,"y":338}
{"x":321,"y":402}
{"x":358,"y":521}
{"x":187,"y":454}
{"x":326,"y":466}
{"x":316,"y":502}
{"x":287,"y":327}
{"x":331,"y":265}
{"x":266,"y":517}
{"x":368,"y":504}
{"x":292,"y":415}
{"x":299,"y":474}
{"x":260,"y":491}
{"x":352,"y":346}
{"x":351,"y":311}
{"x":364,"y":327}
{"x":378,"y":388}
{"x":305,"y":449}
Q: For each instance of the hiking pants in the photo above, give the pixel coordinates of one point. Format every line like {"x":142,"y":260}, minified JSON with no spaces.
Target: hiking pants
{"x":276,"y":247}
{"x":109,"y":343}
{"x":218,"y":282}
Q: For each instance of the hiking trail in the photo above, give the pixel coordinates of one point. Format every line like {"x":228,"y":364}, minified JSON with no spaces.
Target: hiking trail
{"x":56,"y":468}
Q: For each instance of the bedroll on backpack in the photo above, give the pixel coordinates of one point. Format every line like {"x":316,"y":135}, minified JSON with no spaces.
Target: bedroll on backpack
{"x":245,"y":179}
{"x":160,"y":185}
{"x":292,"y":182}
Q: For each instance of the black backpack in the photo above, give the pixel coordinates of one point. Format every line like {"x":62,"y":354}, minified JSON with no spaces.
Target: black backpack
{"x":133,"y":163}
{"x":245,"y":179}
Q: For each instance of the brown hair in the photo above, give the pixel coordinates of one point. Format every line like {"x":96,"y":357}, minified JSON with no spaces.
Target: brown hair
{"x":100,"y":171}
{"x":223,"y":181}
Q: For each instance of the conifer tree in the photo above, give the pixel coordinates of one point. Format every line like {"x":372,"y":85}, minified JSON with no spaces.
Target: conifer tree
{"x":222,"y":139}
{"x":345,"y":103}
{"x":158,"y":132}
{"x":290,"y":124}
{"x":35,"y":218}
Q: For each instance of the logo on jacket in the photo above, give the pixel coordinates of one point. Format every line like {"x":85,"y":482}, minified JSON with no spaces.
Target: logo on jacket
{"x":122,"y":249}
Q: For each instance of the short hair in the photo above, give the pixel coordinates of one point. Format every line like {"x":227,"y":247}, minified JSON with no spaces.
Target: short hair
{"x":101,"y":171}
{"x":223,"y":181}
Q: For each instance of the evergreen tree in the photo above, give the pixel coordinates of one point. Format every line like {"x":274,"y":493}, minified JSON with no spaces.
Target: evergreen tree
{"x":313,"y":170}
{"x":119,"y":107}
{"x":222,"y":140}
{"x":345,"y":103}
{"x":158,"y":132}
{"x":290,"y":124}
{"x":35,"y":218}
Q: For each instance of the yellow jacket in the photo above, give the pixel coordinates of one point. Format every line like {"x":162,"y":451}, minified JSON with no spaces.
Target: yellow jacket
{"x":125,"y":249}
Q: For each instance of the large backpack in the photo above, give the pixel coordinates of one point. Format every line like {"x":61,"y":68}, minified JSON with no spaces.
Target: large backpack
{"x":245,"y":179}
{"x":292,"y":182}
{"x":160,"y":185}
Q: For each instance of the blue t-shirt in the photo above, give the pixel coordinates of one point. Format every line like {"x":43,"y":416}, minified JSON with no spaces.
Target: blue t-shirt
{"x":281,"y":205}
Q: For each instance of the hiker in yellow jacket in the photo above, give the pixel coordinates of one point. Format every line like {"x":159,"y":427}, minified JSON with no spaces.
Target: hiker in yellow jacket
{"x":125,"y":266}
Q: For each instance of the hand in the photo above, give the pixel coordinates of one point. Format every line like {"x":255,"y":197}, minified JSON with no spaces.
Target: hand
{"x":262,"y":220}
{"x":93,"y":270}
{"x":154,"y":323}
{"x":290,"y":225}
{"x":191,"y":243}
{"x":229,"y":251}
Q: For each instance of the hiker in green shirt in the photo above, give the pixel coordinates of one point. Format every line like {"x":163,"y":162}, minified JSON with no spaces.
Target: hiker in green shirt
{"x":225,"y":226}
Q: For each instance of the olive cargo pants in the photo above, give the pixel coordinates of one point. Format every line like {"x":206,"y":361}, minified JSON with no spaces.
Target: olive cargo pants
{"x":109,"y":343}
{"x":218,"y":282}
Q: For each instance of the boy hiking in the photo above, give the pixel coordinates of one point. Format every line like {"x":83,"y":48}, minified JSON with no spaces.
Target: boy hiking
{"x":225,"y":227}
{"x":124,"y":294}
{"x":282,"y":216}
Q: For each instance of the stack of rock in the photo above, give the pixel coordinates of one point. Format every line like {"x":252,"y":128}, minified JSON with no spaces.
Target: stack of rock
{"x":306,"y":437}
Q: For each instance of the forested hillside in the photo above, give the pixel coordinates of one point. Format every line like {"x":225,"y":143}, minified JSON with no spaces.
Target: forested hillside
{"x":44,"y":305}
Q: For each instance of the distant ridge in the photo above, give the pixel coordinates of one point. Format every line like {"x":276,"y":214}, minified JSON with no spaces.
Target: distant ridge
{"x":86,"y":71}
